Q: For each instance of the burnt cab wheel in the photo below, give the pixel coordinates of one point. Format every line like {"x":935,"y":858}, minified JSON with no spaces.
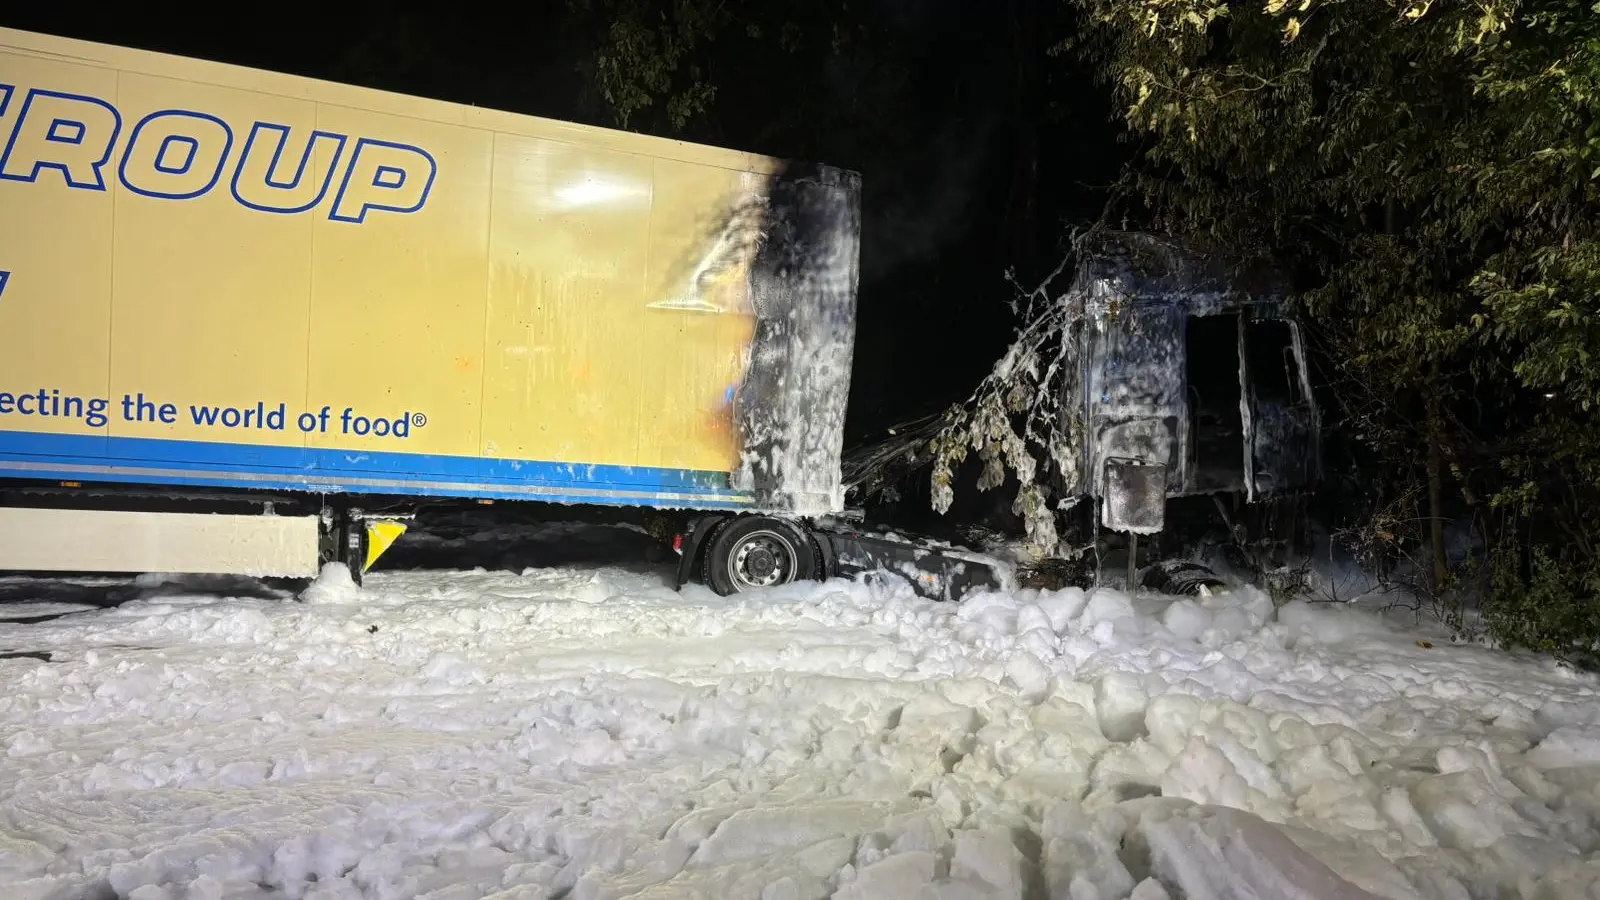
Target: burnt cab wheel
{"x":758,"y":552}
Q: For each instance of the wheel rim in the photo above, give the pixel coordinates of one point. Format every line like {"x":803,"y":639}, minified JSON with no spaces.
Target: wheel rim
{"x":762,"y":559}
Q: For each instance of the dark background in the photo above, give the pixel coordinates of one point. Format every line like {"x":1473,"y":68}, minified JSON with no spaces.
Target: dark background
{"x":977,"y":147}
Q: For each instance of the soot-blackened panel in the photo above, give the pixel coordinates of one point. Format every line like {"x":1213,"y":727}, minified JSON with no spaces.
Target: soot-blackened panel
{"x":803,"y":288}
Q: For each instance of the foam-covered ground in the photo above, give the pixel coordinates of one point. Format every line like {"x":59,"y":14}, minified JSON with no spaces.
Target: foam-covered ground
{"x":586,"y":732}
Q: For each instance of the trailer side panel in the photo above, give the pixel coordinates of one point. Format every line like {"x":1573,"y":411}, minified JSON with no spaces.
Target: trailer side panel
{"x":220,"y":276}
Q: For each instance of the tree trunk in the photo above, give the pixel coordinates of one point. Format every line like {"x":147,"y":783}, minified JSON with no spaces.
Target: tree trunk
{"x":1433,"y":401}
{"x":1441,"y":565}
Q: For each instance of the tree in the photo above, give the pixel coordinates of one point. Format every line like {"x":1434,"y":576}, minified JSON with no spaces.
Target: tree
{"x":1432,"y":172}
{"x":783,"y":78}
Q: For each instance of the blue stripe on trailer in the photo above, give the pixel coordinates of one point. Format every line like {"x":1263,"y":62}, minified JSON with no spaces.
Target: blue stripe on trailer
{"x":157,"y":461}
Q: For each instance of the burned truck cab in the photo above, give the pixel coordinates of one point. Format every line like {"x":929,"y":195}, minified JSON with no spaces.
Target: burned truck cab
{"x":1195,"y":384}
{"x":1184,"y":401}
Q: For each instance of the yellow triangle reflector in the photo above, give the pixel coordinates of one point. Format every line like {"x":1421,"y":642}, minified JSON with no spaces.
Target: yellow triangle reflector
{"x":381,"y":535}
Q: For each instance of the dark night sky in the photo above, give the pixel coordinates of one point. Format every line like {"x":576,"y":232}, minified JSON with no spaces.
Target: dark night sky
{"x":927,"y":107}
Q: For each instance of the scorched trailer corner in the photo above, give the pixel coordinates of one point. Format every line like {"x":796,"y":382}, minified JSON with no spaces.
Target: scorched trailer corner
{"x":250,"y":322}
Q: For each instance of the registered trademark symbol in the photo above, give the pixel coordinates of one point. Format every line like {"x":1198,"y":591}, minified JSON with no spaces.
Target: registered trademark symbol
{"x":418,"y":419}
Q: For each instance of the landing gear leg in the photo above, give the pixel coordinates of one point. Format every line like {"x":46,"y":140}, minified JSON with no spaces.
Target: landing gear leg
{"x":1133,"y":561}
{"x":356,"y":539}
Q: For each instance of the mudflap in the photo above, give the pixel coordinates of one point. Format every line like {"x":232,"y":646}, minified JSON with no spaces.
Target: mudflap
{"x":689,"y":544}
{"x":937,"y":573}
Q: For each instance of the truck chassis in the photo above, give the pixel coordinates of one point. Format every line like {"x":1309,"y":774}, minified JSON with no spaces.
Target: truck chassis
{"x":116,"y":529}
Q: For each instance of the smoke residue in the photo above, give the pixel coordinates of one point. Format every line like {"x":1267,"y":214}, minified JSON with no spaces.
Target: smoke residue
{"x":915,"y":210}
{"x":924,"y":124}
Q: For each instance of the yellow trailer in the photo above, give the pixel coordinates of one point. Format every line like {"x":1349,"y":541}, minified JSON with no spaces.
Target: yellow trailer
{"x":231,"y":286}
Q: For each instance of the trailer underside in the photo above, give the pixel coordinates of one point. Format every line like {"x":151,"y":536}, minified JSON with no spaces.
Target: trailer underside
{"x":83,"y":528}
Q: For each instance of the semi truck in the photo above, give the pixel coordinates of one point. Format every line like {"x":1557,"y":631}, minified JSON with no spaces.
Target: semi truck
{"x":251,"y":323}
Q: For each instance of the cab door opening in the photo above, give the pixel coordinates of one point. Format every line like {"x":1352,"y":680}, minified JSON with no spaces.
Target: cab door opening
{"x":1216,"y":421}
{"x":1282,"y":451}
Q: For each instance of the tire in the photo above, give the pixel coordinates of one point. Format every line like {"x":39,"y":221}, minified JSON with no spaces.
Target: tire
{"x":758,"y":552}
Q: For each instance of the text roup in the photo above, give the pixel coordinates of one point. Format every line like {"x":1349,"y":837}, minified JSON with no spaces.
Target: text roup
{"x":179,"y":154}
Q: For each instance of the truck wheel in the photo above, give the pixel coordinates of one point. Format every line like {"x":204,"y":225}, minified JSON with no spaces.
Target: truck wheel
{"x":758,"y":552}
